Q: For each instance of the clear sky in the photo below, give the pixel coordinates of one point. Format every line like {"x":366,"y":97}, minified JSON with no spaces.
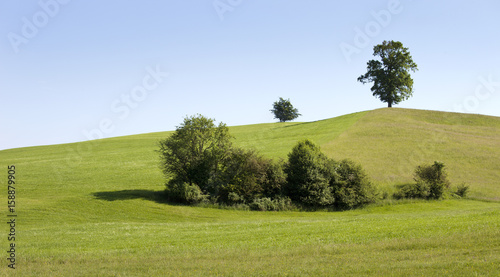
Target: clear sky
{"x":73,"y":70}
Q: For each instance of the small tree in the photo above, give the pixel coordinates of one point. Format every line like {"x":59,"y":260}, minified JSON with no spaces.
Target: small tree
{"x":431,"y":181}
{"x":309,"y":173}
{"x":191,"y":156}
{"x":435,"y":177}
{"x":352,"y":187}
{"x":391,"y":77}
{"x":200,"y":164}
{"x":284,"y":110}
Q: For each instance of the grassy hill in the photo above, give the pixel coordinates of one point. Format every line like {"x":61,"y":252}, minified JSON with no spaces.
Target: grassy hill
{"x":93,"y":208}
{"x":390,"y":143}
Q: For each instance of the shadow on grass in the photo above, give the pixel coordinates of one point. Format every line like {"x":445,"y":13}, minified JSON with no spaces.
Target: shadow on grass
{"x":162,"y":198}
{"x":301,"y":123}
{"x":294,"y":125}
{"x":151,"y":195}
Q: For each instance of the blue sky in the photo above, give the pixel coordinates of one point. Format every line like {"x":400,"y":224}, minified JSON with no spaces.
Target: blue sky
{"x":73,"y":70}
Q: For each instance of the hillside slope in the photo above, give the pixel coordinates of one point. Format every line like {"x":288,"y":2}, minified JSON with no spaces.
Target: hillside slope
{"x":389,"y":143}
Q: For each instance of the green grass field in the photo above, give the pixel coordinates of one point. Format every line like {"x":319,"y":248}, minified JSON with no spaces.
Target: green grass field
{"x":95,"y":208}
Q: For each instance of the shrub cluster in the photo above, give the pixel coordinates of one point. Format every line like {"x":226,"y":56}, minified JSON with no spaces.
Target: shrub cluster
{"x":201,"y":165}
{"x":431,"y":182}
{"x":314,"y":179}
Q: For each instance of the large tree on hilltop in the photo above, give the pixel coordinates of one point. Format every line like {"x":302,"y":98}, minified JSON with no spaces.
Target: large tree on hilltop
{"x":391,"y":77}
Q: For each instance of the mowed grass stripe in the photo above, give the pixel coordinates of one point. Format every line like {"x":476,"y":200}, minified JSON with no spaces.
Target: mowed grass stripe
{"x":433,"y":238}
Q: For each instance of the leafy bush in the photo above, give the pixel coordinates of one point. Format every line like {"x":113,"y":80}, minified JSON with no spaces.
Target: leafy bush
{"x":266,"y":204}
{"x":275,"y":181}
{"x":313,"y":179}
{"x":351,"y":186}
{"x":431,"y":181}
{"x":243,"y":174}
{"x":233,"y":198}
{"x":435,"y":177}
{"x":462,"y":190}
{"x":193,"y":153}
{"x":308,"y":175}
{"x":183,"y":192}
{"x":414,"y":190}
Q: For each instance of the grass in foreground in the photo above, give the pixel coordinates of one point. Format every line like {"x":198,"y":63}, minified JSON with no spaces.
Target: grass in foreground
{"x":453,"y":237}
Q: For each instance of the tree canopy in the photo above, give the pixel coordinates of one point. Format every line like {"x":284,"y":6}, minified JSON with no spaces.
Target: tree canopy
{"x":201,"y":164}
{"x":391,"y":77}
{"x":284,"y":110}
{"x":194,"y":151}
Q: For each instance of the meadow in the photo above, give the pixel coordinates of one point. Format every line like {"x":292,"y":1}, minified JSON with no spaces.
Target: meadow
{"x":96,"y":208}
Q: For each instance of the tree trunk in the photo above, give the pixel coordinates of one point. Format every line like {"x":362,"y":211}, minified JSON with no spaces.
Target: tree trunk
{"x":389,"y":104}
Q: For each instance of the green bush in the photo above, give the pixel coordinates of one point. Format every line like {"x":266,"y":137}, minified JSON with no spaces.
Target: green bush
{"x":351,"y":186}
{"x":193,"y":153}
{"x":275,"y":181}
{"x":462,"y":190}
{"x":435,"y":177}
{"x":308,"y":175}
{"x":234,"y":198}
{"x":431,"y":181}
{"x":315,"y":180}
{"x":243,"y":173}
{"x":183,"y":192}
{"x":268,"y":204}
{"x":414,"y":190}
